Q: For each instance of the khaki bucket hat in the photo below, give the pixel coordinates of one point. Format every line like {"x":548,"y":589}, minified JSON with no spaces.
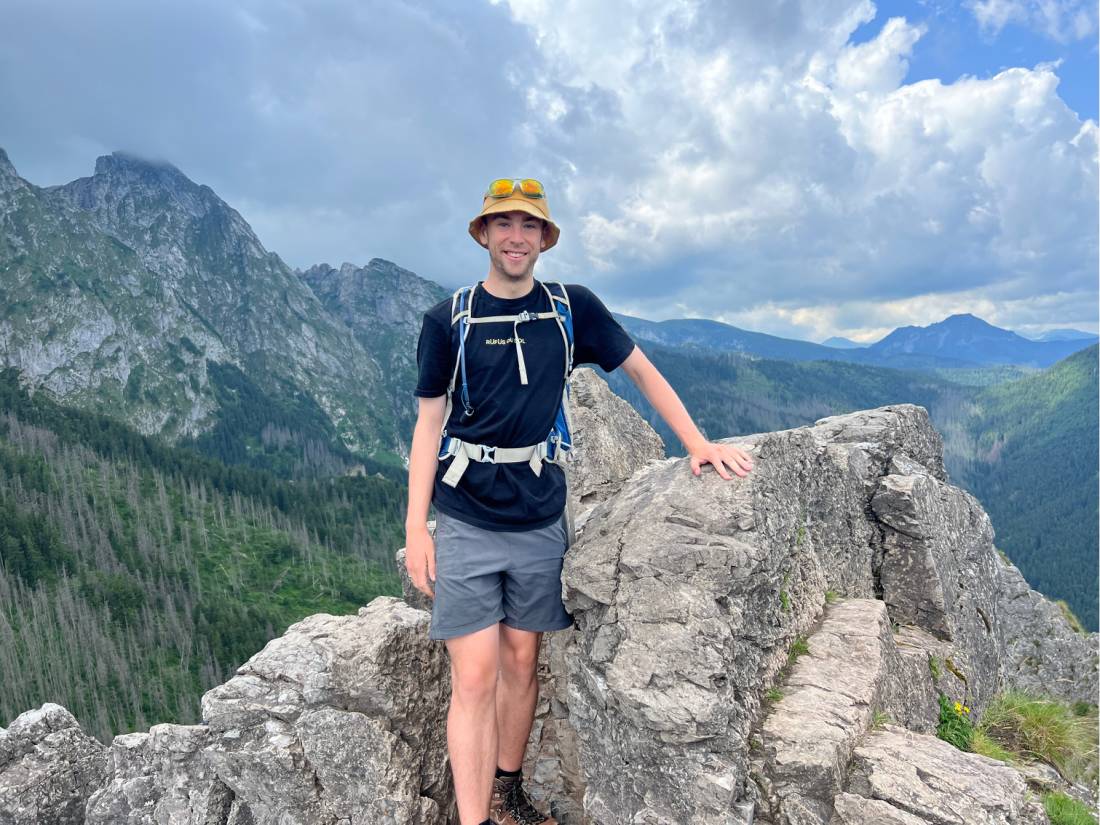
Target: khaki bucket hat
{"x":516,"y":202}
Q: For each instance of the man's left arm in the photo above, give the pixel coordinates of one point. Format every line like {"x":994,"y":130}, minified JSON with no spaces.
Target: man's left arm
{"x":668,"y":404}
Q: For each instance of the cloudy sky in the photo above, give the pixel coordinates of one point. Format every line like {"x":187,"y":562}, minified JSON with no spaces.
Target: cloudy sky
{"x":805,"y":168}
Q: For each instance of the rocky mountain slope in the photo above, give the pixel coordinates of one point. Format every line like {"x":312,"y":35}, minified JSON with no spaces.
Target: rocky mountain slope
{"x":123,"y":290}
{"x":676,"y":697}
{"x":383,"y":305}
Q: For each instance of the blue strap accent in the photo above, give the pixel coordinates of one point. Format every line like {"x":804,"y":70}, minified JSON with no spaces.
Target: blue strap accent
{"x":466,"y":296}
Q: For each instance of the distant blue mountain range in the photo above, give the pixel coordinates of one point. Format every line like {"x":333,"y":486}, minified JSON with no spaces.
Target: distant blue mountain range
{"x":959,"y":341}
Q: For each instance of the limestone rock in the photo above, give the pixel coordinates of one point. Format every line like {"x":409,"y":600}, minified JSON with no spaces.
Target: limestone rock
{"x":341,"y":718}
{"x":48,"y":768}
{"x":940,"y":572}
{"x":931,"y":781}
{"x":687,"y":592}
{"x":1040,"y":652}
{"x":612,"y":442}
{"x":853,"y":669}
{"x":160,"y":777}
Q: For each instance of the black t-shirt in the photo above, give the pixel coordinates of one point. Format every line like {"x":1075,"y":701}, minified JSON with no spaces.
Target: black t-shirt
{"x":507,"y":413}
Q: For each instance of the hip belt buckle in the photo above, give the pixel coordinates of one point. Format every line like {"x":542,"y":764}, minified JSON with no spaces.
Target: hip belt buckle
{"x":488,"y":455}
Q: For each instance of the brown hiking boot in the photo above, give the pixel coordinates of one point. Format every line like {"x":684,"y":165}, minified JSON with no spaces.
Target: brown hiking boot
{"x":510,"y":805}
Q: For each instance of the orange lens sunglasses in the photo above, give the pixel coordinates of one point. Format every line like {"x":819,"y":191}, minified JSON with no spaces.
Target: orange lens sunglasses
{"x":504,"y":187}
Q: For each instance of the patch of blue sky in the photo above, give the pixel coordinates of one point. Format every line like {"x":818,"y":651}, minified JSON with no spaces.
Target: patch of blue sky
{"x":955,"y":45}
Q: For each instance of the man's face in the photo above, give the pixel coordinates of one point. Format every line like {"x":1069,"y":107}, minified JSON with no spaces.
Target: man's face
{"x":514,"y":240}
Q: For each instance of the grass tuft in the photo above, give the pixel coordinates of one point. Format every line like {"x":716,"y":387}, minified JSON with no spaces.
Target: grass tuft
{"x":773,"y":694}
{"x":983,"y":744}
{"x":1064,"y":810}
{"x":1038,"y":728}
{"x":1071,"y":617}
{"x":799,"y":647}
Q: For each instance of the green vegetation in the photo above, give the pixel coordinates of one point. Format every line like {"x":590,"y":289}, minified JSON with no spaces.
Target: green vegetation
{"x":729,"y":393}
{"x":288,"y":435}
{"x":1032,"y":727}
{"x":1039,"y":435}
{"x":1071,"y":617}
{"x":934,"y":668}
{"x":955,"y":725}
{"x":831,"y":596}
{"x":135,"y":576}
{"x":1017,"y":727}
{"x":880,"y":720}
{"x":982,"y":743}
{"x":1063,"y":810}
{"x":773,"y":694}
{"x":799,"y":647}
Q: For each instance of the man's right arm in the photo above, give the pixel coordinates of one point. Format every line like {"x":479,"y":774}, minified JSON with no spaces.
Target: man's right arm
{"x":423,"y":460}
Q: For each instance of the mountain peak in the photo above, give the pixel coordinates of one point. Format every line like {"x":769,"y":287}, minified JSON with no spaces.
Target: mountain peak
{"x":9,"y":178}
{"x":128,"y":166}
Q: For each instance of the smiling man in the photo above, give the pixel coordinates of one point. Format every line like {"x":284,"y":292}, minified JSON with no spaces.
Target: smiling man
{"x":491,"y":463}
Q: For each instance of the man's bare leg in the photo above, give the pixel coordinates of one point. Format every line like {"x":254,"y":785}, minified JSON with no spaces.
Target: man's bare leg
{"x":517,"y":693}
{"x":471,"y":721}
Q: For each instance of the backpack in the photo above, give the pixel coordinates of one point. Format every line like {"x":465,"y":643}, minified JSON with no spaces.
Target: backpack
{"x":557,"y":447}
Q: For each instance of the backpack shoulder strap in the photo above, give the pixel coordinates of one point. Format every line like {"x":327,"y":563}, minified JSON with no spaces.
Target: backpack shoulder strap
{"x":461,"y":306}
{"x":559,"y":300}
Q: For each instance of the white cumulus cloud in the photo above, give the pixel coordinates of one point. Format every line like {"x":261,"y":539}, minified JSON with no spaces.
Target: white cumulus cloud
{"x":751,"y":156}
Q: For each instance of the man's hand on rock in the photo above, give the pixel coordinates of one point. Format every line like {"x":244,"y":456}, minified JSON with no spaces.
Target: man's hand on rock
{"x":720,"y":456}
{"x":420,"y":559}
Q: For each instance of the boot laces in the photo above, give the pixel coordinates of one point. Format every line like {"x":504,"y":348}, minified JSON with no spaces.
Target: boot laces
{"x":520,"y":807}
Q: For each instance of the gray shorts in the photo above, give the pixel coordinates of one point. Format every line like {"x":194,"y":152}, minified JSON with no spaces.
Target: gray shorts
{"x":483,"y":577}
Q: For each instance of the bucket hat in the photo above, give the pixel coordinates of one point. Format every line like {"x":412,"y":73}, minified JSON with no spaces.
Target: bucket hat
{"x":516,"y":202}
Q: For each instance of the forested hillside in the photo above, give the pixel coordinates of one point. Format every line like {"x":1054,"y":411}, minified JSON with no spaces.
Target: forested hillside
{"x":730,"y":394}
{"x":134,"y":576}
{"x":1034,"y":468}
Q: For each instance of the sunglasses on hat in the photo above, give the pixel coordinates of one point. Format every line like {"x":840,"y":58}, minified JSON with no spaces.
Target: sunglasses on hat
{"x":504,"y":187}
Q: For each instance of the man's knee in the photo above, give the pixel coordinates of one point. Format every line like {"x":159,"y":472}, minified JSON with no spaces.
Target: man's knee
{"x":475,"y":660}
{"x":519,"y":653}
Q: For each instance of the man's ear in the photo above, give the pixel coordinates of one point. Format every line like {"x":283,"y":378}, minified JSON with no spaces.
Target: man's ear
{"x":545,"y":236}
{"x":483,"y":232}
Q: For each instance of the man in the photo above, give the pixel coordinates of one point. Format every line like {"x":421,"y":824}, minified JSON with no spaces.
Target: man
{"x":494,"y":566}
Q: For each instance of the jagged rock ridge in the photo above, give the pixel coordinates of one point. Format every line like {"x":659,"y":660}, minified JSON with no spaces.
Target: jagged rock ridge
{"x":689,"y":594}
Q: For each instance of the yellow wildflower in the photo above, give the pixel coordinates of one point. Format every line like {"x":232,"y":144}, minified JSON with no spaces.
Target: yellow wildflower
{"x":958,"y":707}
{"x":966,"y":709}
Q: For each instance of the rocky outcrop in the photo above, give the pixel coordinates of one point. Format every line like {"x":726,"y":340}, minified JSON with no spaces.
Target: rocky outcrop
{"x":903,"y":777}
{"x":766,"y":649}
{"x":850,"y":671}
{"x":340,"y":719}
{"x":688,"y":594}
{"x":48,"y":768}
{"x":161,"y":776}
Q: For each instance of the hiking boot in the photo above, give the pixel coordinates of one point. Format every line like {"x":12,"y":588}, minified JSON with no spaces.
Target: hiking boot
{"x":511,"y":806}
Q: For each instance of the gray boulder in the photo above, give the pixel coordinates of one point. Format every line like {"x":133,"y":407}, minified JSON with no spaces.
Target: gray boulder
{"x":688,"y":592}
{"x":161,"y":777}
{"x":340,"y":719}
{"x":925,"y":780}
{"x":48,"y":768}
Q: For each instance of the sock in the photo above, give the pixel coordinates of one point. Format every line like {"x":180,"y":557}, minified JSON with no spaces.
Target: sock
{"x":501,"y":772}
